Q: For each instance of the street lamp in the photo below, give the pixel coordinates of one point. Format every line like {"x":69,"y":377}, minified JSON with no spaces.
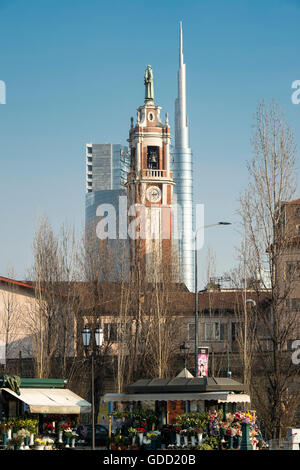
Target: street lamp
{"x":86,"y":339}
{"x":183,"y":347}
{"x":196,"y":290}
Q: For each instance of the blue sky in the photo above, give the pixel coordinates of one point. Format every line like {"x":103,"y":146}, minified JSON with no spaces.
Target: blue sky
{"x":74,"y":74}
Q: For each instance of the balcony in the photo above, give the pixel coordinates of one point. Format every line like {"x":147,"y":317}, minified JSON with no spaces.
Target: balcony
{"x":153,"y":174}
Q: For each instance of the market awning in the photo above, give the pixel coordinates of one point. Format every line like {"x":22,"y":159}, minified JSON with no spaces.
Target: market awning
{"x":226,"y":397}
{"x":52,"y":400}
{"x":236,"y":398}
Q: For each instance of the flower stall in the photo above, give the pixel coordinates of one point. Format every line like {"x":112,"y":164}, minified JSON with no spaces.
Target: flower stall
{"x":186,"y":412}
{"x":40,"y":414}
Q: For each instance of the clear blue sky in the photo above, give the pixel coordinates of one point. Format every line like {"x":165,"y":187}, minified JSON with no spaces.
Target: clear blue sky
{"x":74,"y":74}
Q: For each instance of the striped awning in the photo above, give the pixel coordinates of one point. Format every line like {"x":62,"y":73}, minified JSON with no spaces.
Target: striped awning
{"x":52,"y":400}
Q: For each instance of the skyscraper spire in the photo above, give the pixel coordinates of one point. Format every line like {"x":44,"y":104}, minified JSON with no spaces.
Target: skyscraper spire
{"x":183,"y":176}
{"x":182,"y":133}
{"x":180,"y":46}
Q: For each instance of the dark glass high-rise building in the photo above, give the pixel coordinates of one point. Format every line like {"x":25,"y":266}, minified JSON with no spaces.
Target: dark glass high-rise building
{"x":107,"y":166}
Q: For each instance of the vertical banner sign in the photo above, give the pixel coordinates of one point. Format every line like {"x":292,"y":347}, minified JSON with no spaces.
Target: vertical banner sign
{"x":202,"y":362}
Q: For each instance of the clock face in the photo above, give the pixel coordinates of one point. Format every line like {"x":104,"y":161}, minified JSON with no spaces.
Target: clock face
{"x":153,"y":194}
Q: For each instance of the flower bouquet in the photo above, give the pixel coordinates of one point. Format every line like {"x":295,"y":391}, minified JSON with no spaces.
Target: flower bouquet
{"x":192,"y":435}
{"x":16,"y":442}
{"x":121,"y":442}
{"x":140,"y":432}
{"x":185,"y":434}
{"x":199,"y":432}
{"x":49,"y":428}
{"x":61,"y":428}
{"x":25,"y":434}
{"x":132,"y":433}
{"x":178,"y":436}
{"x":68,"y":433}
{"x":49,"y":442}
{"x":39,"y":444}
{"x":73,"y":438}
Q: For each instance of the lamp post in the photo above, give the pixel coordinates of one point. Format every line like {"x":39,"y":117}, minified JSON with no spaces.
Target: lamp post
{"x":245,"y":352}
{"x":183,"y":347}
{"x":196,"y":290}
{"x":86,"y":339}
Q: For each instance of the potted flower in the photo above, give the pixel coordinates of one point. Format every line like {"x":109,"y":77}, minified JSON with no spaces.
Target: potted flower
{"x":151,"y":437}
{"x":39,"y":444}
{"x":68,"y":435}
{"x":120,"y":442}
{"x":192,"y":434}
{"x":49,"y":428}
{"x":25,"y":434}
{"x":17,"y":442}
{"x":73,"y":439}
{"x":49,"y":443}
{"x":132,"y":432}
{"x":199,"y":432}
{"x":178,"y":436}
{"x":31,"y":426}
{"x":140,"y":432}
{"x":230,"y":432}
{"x":238,"y":437}
{"x":184,"y":433}
{"x":61,"y":427}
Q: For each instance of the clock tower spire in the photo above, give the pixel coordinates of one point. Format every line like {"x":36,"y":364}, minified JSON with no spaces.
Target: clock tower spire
{"x":150,"y":185}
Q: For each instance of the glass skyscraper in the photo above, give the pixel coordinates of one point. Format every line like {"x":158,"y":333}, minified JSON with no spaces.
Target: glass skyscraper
{"x":107,"y":166}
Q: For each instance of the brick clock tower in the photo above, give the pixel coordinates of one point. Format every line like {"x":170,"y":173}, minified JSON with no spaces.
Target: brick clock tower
{"x":150,"y":186}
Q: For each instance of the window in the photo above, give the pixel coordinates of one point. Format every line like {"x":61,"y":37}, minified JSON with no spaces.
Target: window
{"x":214,"y":331}
{"x":90,"y":183}
{"x":111,"y":332}
{"x":90,"y":167}
{"x":115,"y":332}
{"x":90,"y":150}
{"x":292,"y":270}
{"x":132,"y":157}
{"x":234,"y":331}
{"x":191,"y":331}
{"x":153,"y":157}
{"x":293,"y":304}
{"x":90,"y":159}
{"x":297,"y":212}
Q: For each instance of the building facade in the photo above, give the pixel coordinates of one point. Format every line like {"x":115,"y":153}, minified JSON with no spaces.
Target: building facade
{"x":107,"y":166}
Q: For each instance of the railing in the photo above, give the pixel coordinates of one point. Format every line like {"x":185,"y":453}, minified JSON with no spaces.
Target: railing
{"x":154,"y":173}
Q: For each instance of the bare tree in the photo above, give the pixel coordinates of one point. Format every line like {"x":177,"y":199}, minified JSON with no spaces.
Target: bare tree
{"x":52,"y":319}
{"x":9,"y":320}
{"x":267,"y":238}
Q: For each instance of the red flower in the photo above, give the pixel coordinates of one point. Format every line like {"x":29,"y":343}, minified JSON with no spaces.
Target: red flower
{"x":49,"y":426}
{"x":64,"y":426}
